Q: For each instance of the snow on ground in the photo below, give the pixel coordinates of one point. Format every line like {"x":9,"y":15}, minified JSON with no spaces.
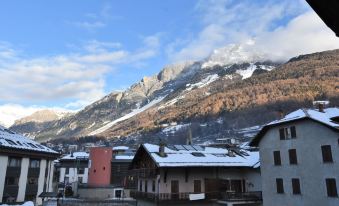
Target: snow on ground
{"x":171,"y":102}
{"x":204,"y":82}
{"x":247,"y":73}
{"x":127,"y":116}
{"x":25,"y":204}
{"x":173,"y":129}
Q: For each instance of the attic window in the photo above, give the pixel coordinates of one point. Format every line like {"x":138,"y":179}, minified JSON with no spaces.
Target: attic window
{"x":19,"y":143}
{"x":198,"y":154}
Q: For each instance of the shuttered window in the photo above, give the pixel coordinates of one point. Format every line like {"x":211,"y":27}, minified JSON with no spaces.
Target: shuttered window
{"x":327,"y":153}
{"x":280,"y":185}
{"x":277,"y":158}
{"x":331,"y":187}
{"x":293,"y":132}
{"x":282,"y":134}
{"x":296,"y":186}
{"x":292,"y":153}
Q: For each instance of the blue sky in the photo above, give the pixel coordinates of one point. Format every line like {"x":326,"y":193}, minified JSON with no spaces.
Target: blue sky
{"x":67,"y":54}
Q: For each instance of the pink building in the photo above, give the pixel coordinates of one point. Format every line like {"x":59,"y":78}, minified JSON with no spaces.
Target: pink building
{"x":100,"y":166}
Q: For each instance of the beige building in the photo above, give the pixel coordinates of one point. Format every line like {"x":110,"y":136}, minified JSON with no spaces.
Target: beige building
{"x":299,"y":158}
{"x":196,"y":175}
{"x":26,"y":168}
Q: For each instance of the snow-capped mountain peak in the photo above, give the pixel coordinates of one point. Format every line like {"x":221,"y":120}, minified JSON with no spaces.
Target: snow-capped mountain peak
{"x":233,"y":54}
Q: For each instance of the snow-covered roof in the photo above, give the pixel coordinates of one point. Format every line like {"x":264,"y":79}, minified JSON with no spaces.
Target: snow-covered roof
{"x":323,"y":117}
{"x":120,"y":148}
{"x":197,"y":156}
{"x":124,"y":157}
{"x":76,"y":155}
{"x":13,"y":140}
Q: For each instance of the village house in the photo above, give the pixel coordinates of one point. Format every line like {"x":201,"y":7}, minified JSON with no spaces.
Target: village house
{"x":72,"y":170}
{"x":26,"y":168}
{"x":196,"y":175}
{"x":299,"y":158}
{"x":100,"y":174}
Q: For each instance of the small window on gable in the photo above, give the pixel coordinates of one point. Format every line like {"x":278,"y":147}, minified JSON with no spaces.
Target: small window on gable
{"x":287,"y":133}
{"x":326,"y":153}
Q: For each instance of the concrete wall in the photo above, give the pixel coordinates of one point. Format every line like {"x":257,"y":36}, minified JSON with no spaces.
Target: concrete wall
{"x":23,"y":179}
{"x":310,"y":168}
{"x":41,"y":181}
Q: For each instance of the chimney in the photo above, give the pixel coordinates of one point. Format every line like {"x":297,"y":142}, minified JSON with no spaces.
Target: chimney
{"x":320,"y":105}
{"x":189,"y":138}
{"x":281,"y":114}
{"x":162,"y":149}
{"x":230,"y":153}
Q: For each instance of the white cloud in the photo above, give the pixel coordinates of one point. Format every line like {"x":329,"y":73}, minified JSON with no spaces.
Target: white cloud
{"x":227,"y":21}
{"x":304,"y":34}
{"x":75,"y":79}
{"x":11,"y":112}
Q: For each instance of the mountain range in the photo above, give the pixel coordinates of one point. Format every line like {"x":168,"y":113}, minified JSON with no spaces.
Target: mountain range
{"x":215,"y":97}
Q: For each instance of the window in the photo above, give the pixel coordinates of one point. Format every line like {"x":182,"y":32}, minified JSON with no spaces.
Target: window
{"x":197,"y":186}
{"x":140,"y":185}
{"x":80,"y":179}
{"x":11,"y":181}
{"x":32,"y":181}
{"x":153,"y":186}
{"x":81,"y":170}
{"x":277,"y":158}
{"x":146,"y":189}
{"x":296,"y":186}
{"x":327,"y":153}
{"x":292,"y":153}
{"x":287,"y":133}
{"x":280,"y":185}
{"x":14,"y":162}
{"x":33,"y":163}
{"x":331,"y":187}
{"x":67,"y":170}
{"x":293,"y":132}
{"x":165,"y":176}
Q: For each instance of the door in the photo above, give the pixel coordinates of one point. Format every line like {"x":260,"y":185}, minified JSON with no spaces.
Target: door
{"x":174,"y":189}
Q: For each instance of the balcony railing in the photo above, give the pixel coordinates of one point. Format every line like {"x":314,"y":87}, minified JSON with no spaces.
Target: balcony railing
{"x":228,"y":196}
{"x":143,"y":172}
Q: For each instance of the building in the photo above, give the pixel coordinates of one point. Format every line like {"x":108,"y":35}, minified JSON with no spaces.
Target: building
{"x":196,"y":175}
{"x":71,"y":170}
{"x":299,"y":158}
{"x":26,"y":168}
{"x":108,"y":173}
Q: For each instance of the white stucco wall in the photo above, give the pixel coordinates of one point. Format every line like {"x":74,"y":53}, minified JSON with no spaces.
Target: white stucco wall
{"x":3,"y":168}
{"x":23,"y":179}
{"x":41,"y":181}
{"x":310,"y":168}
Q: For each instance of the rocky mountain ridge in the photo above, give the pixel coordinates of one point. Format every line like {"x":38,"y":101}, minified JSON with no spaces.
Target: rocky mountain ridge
{"x":198,"y":92}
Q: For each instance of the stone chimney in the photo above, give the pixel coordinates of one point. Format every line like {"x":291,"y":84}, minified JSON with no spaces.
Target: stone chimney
{"x":162,"y":149}
{"x":230,"y":153}
{"x":189,"y":137}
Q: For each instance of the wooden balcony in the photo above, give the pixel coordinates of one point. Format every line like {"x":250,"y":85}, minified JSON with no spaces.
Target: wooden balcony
{"x":226,"y":196}
{"x":144,"y":173}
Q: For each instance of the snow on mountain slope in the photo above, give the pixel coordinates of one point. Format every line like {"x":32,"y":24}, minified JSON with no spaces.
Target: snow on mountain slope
{"x":204,"y":82}
{"x":247,"y":73}
{"x":127,"y":116}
